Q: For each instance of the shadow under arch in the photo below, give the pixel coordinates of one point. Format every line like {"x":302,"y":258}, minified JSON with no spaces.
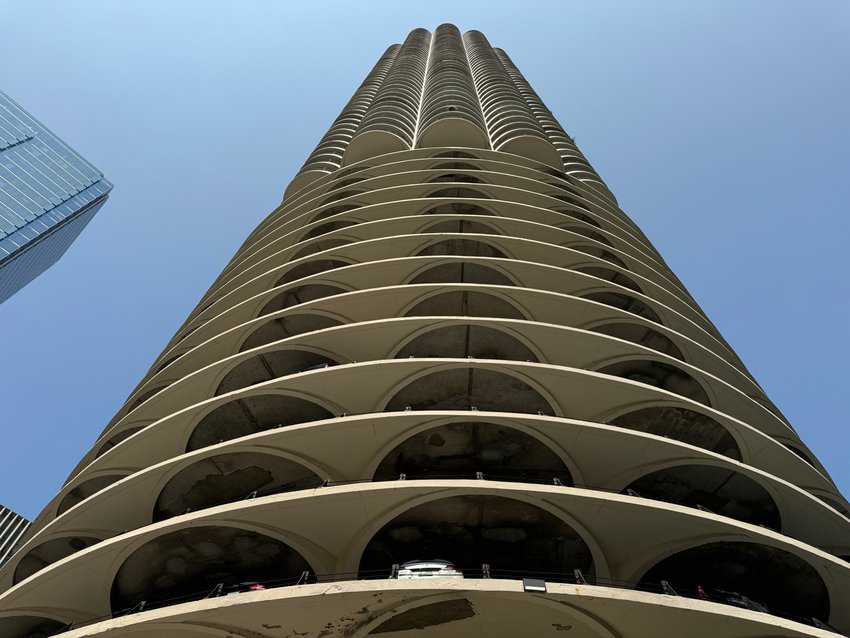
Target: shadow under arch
{"x":624,"y":302}
{"x":462,"y":272}
{"x":716,"y":489}
{"x":458,"y":192}
{"x":189,"y":563}
{"x":659,"y":375}
{"x":610,"y":275}
{"x":462,"y":178}
{"x":461,"y":226}
{"x":335,"y":210}
{"x":47,"y":553}
{"x":465,"y":303}
{"x":86,"y":489}
{"x":641,"y":335}
{"x":463,"y":341}
{"x":309,"y":268}
{"x":458,"y":208}
{"x":508,"y":534}
{"x":740,"y":572}
{"x":469,"y":389}
{"x":329,"y":227}
{"x":271,"y":365}
{"x":683,"y":425}
{"x":248,"y":415}
{"x":463,"y":247}
{"x":30,"y":627}
{"x":287,"y":326}
{"x":462,"y":449}
{"x":227,"y":478}
{"x":299,"y":295}
{"x":115,"y":440}
{"x":597,"y":251}
{"x":319,"y":246}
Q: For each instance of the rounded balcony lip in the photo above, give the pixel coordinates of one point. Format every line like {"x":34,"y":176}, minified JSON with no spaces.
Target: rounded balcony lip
{"x":513,"y":159}
{"x":834,"y":571}
{"x":740,"y":377}
{"x":425,"y":366}
{"x":660,"y":287}
{"x":164,"y":371}
{"x":222,"y":286}
{"x":529,"y":187}
{"x":577,"y":598}
{"x":175,"y":349}
{"x":628,"y":232}
{"x":709,"y":381}
{"x":267,"y":441}
{"x":653,"y":276}
{"x":507,"y":263}
{"x":501,"y":157}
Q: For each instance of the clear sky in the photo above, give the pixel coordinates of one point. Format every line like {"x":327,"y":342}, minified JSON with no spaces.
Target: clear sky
{"x":722,"y":127}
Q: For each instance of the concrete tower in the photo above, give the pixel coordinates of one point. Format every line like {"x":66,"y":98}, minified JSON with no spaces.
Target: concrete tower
{"x":448,"y":342}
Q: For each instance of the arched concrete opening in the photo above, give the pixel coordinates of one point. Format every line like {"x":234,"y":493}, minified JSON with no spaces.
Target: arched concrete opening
{"x":253,"y":414}
{"x":456,"y":166}
{"x":86,"y":489}
{"x":115,"y":440}
{"x":574,"y":214}
{"x":464,"y":303}
{"x":808,"y":459}
{"x":661,"y":375}
{"x":625,"y":302}
{"x":457,"y":155}
{"x":43,"y":555}
{"x":682,"y":425}
{"x":584,"y":231}
{"x":514,"y":537}
{"x":341,"y":195}
{"x":271,"y":365}
{"x":461,"y":226}
{"x":319,"y":246}
{"x":188,"y":564}
{"x":642,"y":335}
{"x":610,"y":275}
{"x":458,"y":208}
{"x":29,"y":627}
{"x":716,"y":489}
{"x":288,"y":326}
{"x":736,"y":572}
{"x":466,"y":341}
{"x":456,"y":177}
{"x":329,"y":227}
{"x":470,"y":389}
{"x":461,"y":272}
{"x":458,"y":192}
{"x":460,"y":450}
{"x":462,"y":246}
{"x":299,"y":295}
{"x":227,"y":478}
{"x":310,"y":268}
{"x":147,"y":395}
{"x":601,"y":253}
{"x":334,"y":210}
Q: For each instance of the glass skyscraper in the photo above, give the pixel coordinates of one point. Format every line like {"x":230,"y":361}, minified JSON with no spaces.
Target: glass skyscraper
{"x":48,"y":193}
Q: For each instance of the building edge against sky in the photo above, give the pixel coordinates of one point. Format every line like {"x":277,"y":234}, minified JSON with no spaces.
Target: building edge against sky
{"x":48,"y":193}
{"x":447,"y":342}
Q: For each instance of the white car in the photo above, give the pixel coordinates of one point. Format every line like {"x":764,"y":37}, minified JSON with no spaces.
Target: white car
{"x":429,"y":569}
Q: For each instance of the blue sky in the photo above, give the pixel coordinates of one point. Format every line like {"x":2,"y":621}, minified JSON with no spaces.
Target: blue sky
{"x":721,"y":127}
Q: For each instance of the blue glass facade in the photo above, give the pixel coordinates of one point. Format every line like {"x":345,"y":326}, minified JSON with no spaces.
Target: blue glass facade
{"x":48,"y":193}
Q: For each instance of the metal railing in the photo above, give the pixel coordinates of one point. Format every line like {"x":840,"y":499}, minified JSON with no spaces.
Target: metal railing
{"x":483,"y":571}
